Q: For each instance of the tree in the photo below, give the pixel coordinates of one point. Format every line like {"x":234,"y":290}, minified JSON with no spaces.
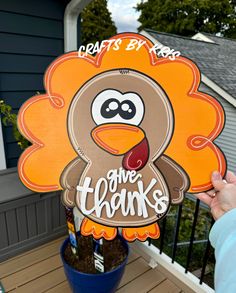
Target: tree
{"x":187,"y":17}
{"x":96,"y":22}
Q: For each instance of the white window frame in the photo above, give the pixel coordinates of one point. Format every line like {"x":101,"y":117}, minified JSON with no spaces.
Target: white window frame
{"x":3,"y":165}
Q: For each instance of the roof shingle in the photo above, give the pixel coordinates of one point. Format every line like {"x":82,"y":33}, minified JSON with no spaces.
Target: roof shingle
{"x":216,"y":60}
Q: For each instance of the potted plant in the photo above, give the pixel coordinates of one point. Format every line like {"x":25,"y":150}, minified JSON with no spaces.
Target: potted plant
{"x":94,"y":280}
{"x":92,"y":265}
{"x":10,"y":118}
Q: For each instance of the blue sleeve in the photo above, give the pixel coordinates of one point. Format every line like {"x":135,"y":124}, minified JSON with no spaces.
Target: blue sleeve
{"x":223,"y":239}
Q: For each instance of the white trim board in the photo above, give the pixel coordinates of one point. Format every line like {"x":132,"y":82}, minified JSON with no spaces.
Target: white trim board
{"x":175,"y":269}
{"x":211,"y":84}
{"x":201,"y":37}
{"x":2,"y":150}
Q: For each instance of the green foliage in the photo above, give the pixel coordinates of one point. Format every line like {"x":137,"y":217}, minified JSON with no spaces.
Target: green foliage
{"x":9,"y":118}
{"x":187,"y":17}
{"x":96,"y":22}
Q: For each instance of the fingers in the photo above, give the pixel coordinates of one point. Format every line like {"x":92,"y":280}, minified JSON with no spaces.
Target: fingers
{"x":230,"y":177}
{"x":204,"y":197}
{"x":217,"y":181}
{"x":218,"y":184}
{"x":211,"y":192}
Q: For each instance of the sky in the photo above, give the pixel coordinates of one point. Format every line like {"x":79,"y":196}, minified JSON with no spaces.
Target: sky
{"x":124,"y":15}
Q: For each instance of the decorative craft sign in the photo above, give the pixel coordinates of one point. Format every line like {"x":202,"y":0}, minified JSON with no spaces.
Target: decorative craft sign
{"x":124,"y":134}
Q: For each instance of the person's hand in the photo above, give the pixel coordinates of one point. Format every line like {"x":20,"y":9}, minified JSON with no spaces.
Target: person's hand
{"x":222,"y":198}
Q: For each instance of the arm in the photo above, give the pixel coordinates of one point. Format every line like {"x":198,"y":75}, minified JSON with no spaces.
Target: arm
{"x":69,"y":180}
{"x":222,"y":202}
{"x":176,"y":178}
{"x":223,"y":239}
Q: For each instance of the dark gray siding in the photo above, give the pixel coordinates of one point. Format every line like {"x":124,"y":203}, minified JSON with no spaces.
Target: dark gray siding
{"x":31,"y":36}
{"x":27,"y":219}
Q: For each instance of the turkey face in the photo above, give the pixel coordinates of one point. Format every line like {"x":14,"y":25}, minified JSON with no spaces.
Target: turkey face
{"x":117,"y":116}
{"x":122,"y":118}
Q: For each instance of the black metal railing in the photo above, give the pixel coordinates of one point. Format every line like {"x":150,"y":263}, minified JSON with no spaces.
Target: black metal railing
{"x":184,"y":238}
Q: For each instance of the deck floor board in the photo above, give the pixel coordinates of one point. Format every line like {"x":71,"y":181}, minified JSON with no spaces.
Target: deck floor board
{"x":40,"y":270}
{"x":166,"y":286}
{"x":29,"y":258}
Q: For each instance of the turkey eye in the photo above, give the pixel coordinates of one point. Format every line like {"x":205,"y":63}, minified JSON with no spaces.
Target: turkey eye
{"x":110,"y":108}
{"x":127,"y":110}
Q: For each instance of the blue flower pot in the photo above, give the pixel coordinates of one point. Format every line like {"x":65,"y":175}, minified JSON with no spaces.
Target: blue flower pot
{"x":94,"y":283}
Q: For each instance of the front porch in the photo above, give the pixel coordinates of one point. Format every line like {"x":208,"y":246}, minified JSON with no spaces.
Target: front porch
{"x":37,"y":221}
{"x":40,"y":270}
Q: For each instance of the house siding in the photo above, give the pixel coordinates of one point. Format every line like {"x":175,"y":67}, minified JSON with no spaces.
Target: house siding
{"x":27,"y":219}
{"x":31,"y":37}
{"x":227,"y":139}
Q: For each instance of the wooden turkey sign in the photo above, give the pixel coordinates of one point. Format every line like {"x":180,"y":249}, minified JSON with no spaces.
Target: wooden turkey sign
{"x":124,"y":134}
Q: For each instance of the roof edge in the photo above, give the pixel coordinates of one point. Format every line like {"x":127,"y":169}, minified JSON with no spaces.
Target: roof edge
{"x":180,"y":37}
{"x":219,"y":90}
{"x":218,"y":37}
{"x":211,"y":84}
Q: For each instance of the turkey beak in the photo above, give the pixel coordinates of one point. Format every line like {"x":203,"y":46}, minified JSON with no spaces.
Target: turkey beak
{"x":116,"y":138}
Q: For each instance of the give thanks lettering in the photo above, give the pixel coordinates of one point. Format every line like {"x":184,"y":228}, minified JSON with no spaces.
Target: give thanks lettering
{"x":123,"y":200}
